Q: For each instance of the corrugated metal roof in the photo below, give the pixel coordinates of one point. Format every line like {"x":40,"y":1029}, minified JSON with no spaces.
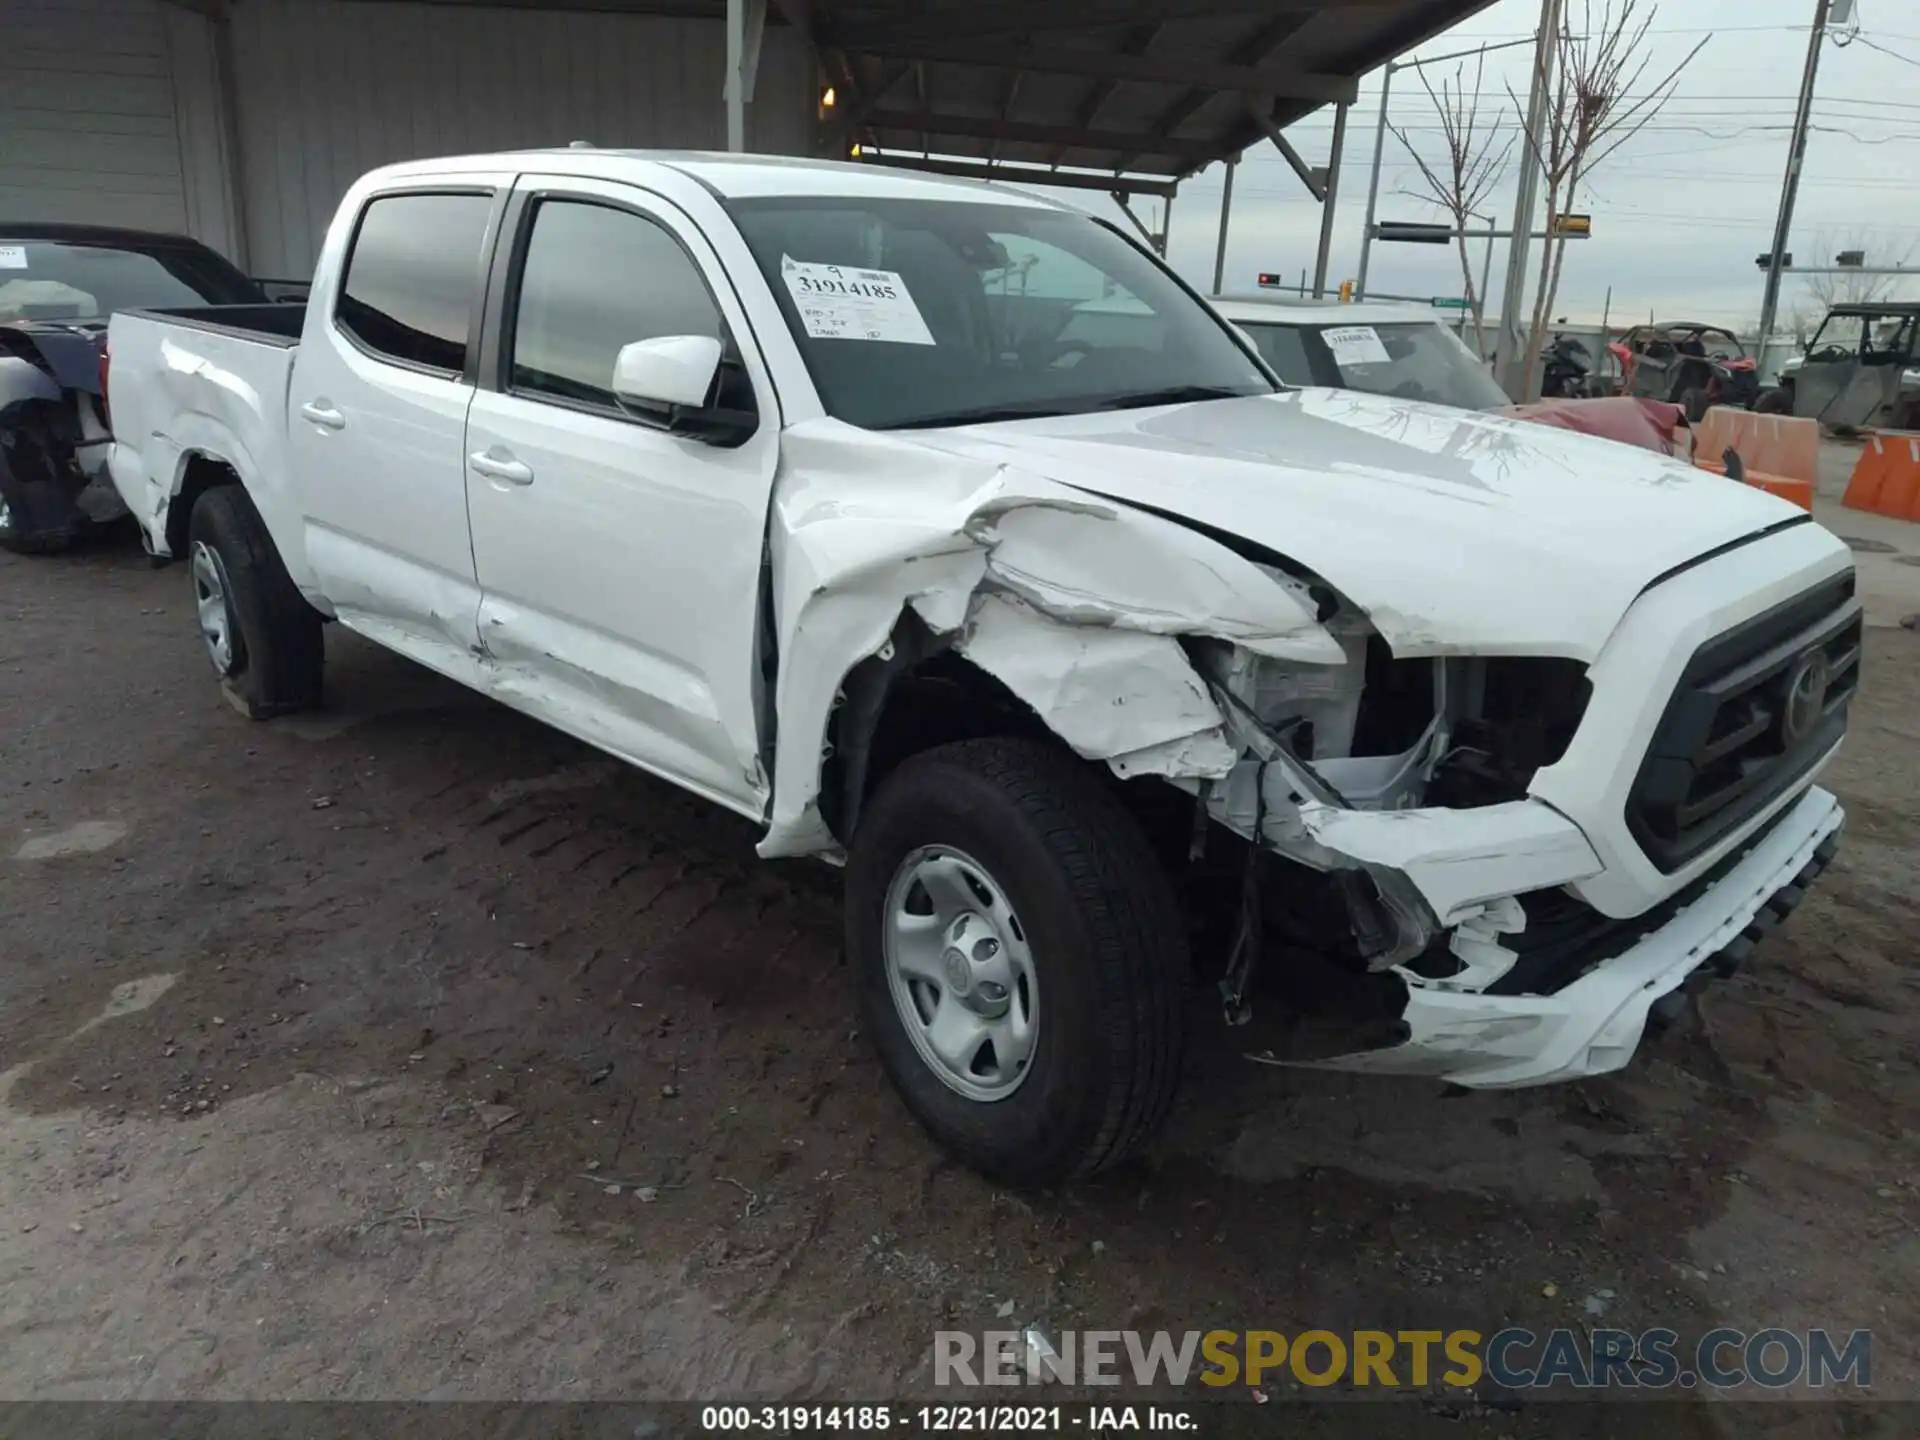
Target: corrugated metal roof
{"x":1129,"y":95}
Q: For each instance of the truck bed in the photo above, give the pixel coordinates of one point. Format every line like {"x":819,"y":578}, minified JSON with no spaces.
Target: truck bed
{"x":269,"y":324}
{"x":196,"y":384}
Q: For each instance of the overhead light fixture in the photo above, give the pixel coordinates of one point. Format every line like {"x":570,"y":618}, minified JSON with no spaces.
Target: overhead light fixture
{"x":827,"y":98}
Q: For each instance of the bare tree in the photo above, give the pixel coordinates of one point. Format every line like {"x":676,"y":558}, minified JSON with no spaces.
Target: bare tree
{"x":1825,"y":291}
{"x":1599,"y":99}
{"x":1460,"y":181}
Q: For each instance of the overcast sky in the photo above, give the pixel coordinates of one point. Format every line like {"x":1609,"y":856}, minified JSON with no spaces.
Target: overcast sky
{"x":1679,"y":213}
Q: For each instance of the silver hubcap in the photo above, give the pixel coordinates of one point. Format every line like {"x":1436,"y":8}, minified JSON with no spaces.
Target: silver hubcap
{"x":961,"y":973}
{"x":210,"y":601}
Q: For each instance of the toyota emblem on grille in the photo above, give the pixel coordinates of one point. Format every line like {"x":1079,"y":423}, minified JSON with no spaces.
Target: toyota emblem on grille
{"x":1806,"y":697}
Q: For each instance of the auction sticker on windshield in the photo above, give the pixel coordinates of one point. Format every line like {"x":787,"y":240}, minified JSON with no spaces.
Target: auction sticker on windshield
{"x":842,"y":302}
{"x":13,"y":257}
{"x":1355,"y":345}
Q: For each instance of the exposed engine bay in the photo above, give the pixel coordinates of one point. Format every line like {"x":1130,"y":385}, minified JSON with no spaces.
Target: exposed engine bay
{"x":1372,"y":733}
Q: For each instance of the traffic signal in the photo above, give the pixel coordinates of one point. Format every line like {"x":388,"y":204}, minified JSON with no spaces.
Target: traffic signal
{"x":1850,"y":259}
{"x":1268,"y":280}
{"x":1765,"y":262}
{"x":1573,"y":224}
{"x":1409,"y":232}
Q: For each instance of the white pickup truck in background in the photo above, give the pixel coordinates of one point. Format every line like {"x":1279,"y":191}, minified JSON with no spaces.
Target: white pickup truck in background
{"x":944,"y":531}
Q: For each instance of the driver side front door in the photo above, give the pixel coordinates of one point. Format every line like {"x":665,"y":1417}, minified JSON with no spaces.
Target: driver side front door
{"x":619,"y":564}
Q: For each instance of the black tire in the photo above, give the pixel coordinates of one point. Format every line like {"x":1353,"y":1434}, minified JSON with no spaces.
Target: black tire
{"x":35,"y":519}
{"x":19,"y":542}
{"x":1109,"y":955}
{"x":1693,"y":400}
{"x":1777,"y":401}
{"x":277,"y":650}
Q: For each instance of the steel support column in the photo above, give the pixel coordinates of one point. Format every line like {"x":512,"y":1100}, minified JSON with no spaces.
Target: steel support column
{"x":1328,"y":198}
{"x":1226,"y":214}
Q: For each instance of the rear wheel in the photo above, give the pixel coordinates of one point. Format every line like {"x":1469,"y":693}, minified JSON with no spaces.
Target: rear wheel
{"x":1777,"y":401}
{"x":262,"y":637}
{"x":1019,"y":959}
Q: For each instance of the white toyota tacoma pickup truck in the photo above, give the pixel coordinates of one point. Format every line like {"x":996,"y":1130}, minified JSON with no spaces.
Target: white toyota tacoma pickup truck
{"x":1114,"y":670}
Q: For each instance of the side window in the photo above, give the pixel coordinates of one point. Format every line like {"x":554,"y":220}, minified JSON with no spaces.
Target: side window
{"x":596,"y":280}
{"x":413,"y":276}
{"x":1841,"y":338}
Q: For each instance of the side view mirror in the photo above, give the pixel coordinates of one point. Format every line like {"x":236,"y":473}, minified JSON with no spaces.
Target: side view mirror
{"x":670,"y":372}
{"x":686,"y":385}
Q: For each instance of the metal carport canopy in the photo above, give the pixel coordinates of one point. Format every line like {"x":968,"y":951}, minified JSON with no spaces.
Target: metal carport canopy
{"x":1128,"y":96}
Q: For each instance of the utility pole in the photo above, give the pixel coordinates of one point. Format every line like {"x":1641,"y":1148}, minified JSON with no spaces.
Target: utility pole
{"x":1796,"y":157}
{"x":1515,"y":371}
{"x":1373,"y":189}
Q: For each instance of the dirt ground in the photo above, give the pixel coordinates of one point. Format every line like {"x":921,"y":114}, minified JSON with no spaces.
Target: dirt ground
{"x":411,"y":1050}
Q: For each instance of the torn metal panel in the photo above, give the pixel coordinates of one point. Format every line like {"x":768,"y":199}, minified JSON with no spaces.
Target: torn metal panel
{"x":1107,"y":692}
{"x":1457,"y":860}
{"x":1593,"y":1025}
{"x":867,"y":524}
{"x":1139,"y":572}
{"x":1457,"y":533}
{"x":1460,"y":859}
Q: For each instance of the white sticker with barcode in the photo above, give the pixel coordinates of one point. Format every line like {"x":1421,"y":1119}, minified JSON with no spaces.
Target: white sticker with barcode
{"x":13,"y":257}
{"x":1355,"y":345}
{"x":844,"y":302}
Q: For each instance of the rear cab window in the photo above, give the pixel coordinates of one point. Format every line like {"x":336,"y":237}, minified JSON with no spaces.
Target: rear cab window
{"x":411,"y":289}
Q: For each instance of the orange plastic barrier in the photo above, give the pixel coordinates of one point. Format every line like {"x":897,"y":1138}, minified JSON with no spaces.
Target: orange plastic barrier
{"x":1773,"y":444}
{"x":1799,"y":492}
{"x":1886,"y":477}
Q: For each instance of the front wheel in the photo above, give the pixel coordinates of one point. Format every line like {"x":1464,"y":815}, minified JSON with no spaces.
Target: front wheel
{"x":263,"y":638}
{"x":1019,"y":959}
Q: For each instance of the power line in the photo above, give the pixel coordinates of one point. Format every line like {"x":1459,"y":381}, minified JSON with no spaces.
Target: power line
{"x":1903,"y":59}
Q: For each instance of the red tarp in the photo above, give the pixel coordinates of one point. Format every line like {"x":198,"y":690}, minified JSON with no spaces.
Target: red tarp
{"x":1632,"y":420}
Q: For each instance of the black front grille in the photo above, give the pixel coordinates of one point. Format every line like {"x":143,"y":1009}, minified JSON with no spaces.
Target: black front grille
{"x":1755,"y":710}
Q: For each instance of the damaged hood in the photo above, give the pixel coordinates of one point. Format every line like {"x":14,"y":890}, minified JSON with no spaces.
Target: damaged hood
{"x":1456,"y":532}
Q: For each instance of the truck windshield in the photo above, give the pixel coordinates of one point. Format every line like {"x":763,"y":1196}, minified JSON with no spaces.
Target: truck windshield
{"x":62,"y":280}
{"x":1417,"y":361}
{"x":934,"y":312}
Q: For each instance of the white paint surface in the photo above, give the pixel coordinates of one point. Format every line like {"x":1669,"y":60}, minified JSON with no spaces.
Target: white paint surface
{"x":85,"y":838}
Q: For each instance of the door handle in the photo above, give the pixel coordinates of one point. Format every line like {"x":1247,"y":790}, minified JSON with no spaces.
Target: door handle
{"x":499,"y":464}
{"x":323,"y":414}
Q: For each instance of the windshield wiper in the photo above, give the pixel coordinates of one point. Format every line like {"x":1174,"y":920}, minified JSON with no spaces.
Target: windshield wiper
{"x":1172,"y":395}
{"x":1072,"y":405}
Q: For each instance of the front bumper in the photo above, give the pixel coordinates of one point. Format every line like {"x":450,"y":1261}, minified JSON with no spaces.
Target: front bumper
{"x":1593,"y":1025}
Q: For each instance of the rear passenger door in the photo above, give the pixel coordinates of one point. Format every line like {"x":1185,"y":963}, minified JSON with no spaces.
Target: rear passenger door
{"x":377,"y":415}
{"x":620,"y":563}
